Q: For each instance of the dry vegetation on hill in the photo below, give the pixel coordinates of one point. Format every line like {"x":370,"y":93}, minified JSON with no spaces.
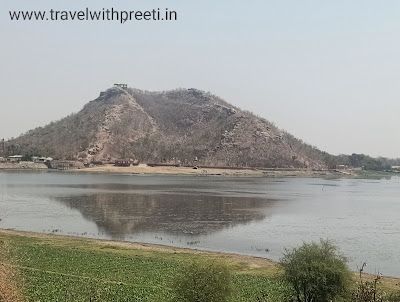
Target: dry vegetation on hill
{"x":172,"y":126}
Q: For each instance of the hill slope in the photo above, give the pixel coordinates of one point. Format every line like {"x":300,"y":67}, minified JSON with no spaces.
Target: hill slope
{"x":177,"y":125}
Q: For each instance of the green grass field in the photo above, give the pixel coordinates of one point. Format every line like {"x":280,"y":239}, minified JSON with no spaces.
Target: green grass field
{"x":55,"y":268}
{"x":64,"y":269}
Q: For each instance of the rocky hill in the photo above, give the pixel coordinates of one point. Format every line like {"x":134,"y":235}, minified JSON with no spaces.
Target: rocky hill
{"x":185,"y":125}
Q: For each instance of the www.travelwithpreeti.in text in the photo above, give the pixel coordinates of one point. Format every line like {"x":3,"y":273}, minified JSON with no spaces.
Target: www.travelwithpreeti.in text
{"x":109,"y":14}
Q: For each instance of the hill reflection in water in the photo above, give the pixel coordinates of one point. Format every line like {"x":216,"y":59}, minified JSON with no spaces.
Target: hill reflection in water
{"x":120,"y":214}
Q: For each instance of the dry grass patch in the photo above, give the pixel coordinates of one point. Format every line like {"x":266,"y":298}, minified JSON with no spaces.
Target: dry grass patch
{"x":8,"y":276}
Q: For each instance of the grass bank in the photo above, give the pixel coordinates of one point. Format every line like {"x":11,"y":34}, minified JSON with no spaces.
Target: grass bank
{"x":59,"y":268}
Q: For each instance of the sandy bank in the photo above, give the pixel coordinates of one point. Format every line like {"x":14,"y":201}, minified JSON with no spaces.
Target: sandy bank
{"x":144,"y":169}
{"x":168,"y":170}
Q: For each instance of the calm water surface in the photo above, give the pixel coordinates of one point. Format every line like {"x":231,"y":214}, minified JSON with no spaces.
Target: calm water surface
{"x":252,"y":216}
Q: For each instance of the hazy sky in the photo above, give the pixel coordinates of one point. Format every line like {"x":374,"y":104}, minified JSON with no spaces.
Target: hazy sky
{"x":326,"y":71}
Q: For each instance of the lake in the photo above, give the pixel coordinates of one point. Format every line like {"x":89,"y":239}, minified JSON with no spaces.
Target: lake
{"x":253,"y":216}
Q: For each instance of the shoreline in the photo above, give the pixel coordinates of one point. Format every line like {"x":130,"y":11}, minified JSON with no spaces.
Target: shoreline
{"x":144,"y":169}
{"x":252,"y":262}
{"x":38,"y":266}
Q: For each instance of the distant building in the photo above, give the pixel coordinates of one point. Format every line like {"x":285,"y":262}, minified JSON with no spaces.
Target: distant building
{"x":64,"y":165}
{"x":37,"y":159}
{"x":122,"y":163}
{"x":123,"y":86}
{"x":14,"y":158}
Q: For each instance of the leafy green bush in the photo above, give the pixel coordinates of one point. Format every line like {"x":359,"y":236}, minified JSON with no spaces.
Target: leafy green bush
{"x":203,"y":282}
{"x":316,"y":271}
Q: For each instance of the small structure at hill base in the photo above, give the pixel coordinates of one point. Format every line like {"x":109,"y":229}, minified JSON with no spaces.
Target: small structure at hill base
{"x":122,"y":163}
{"x":14,"y":158}
{"x":63,"y":165}
{"x":123,"y":86}
{"x":37,"y":159}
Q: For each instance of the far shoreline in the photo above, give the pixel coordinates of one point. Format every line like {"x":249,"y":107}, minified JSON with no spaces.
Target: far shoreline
{"x":143,"y":169}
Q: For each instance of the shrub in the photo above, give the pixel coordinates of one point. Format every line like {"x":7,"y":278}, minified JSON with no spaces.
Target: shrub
{"x":316,"y":271}
{"x":203,"y":282}
{"x":367,"y":291}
